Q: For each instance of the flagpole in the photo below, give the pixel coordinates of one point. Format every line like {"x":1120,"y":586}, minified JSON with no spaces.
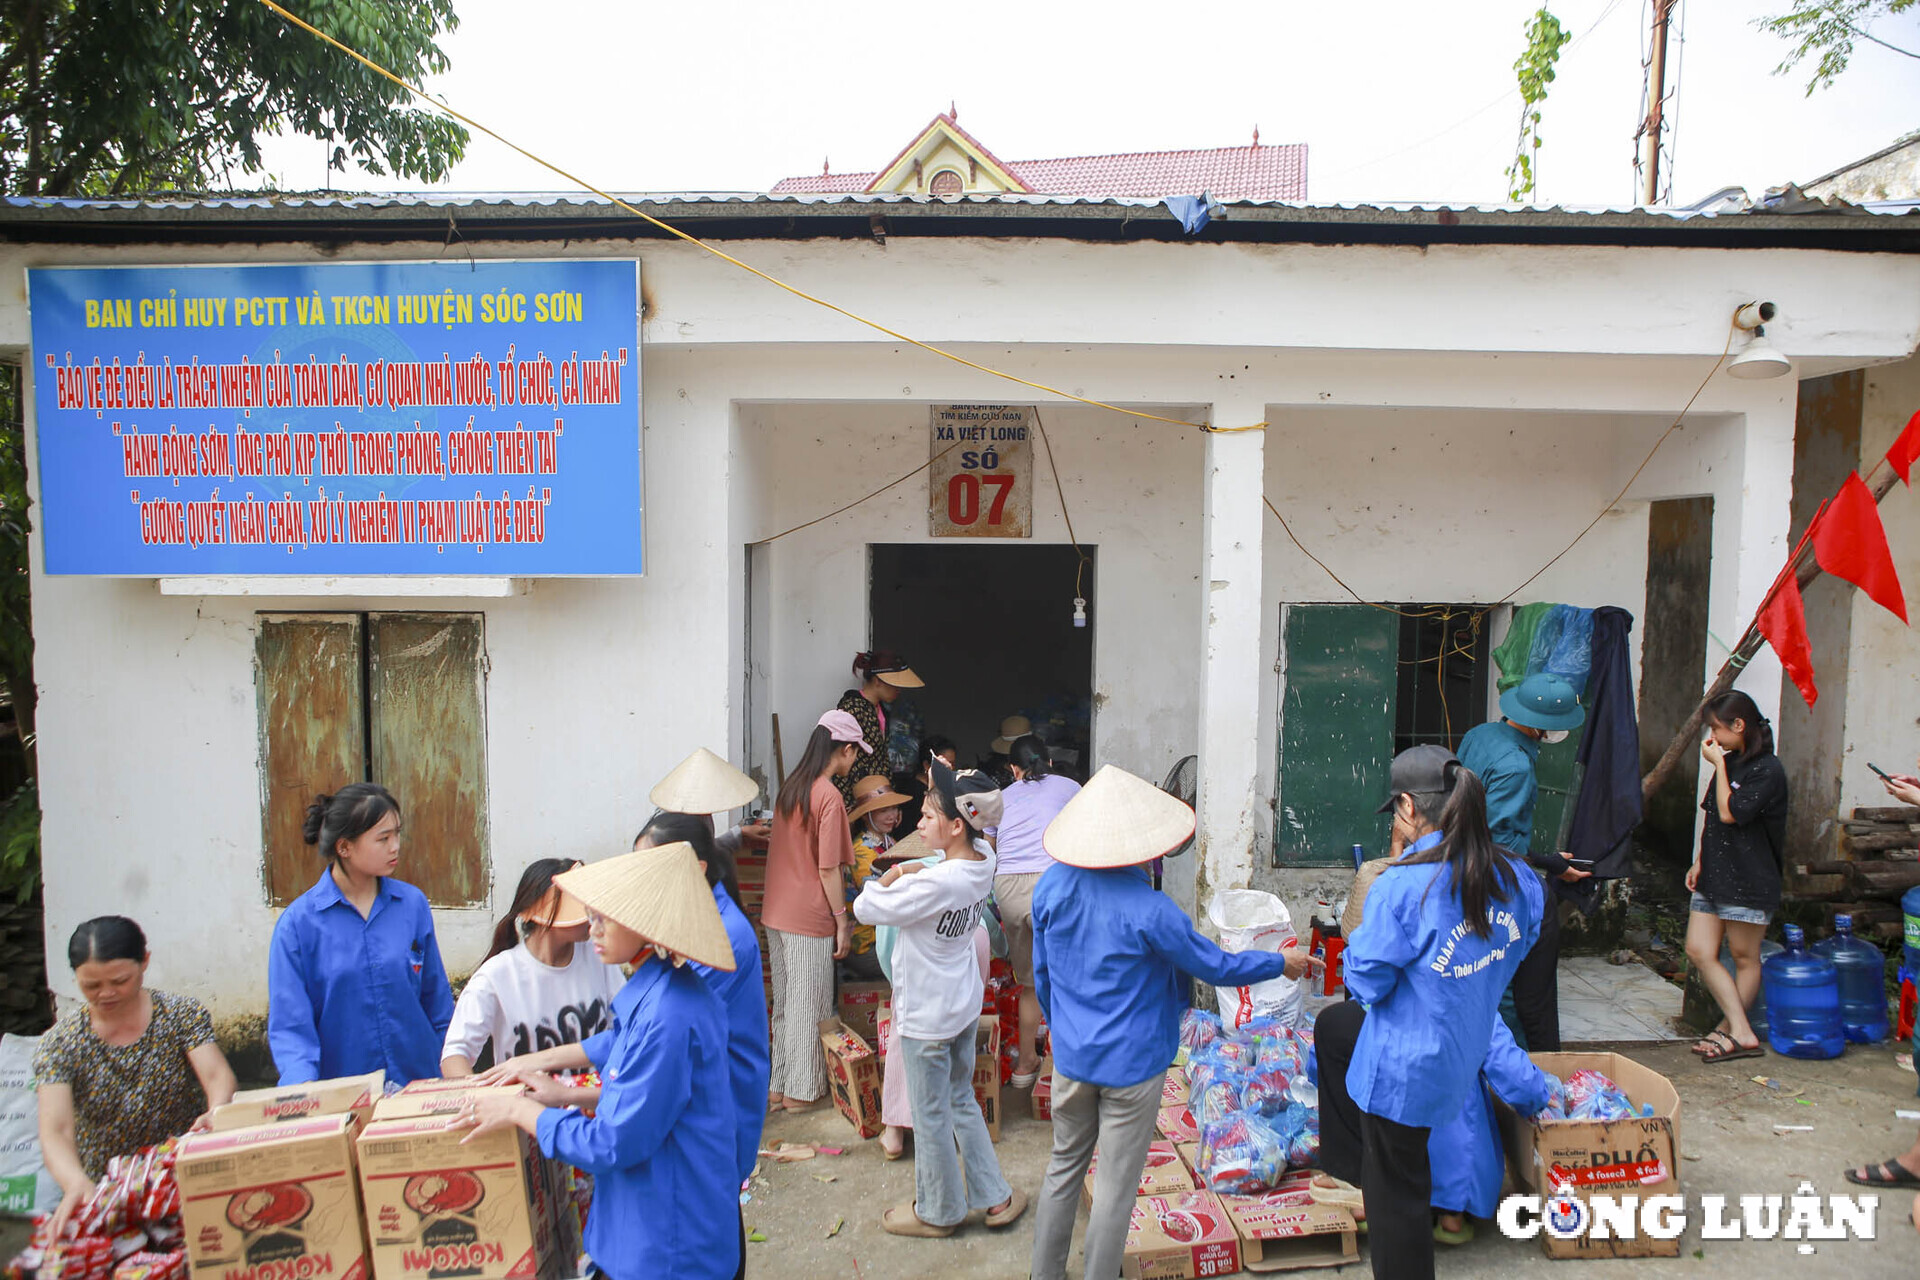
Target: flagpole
{"x":1750,"y":641}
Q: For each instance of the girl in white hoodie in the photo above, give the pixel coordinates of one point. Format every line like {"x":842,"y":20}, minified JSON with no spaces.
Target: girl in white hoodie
{"x":936,"y":1005}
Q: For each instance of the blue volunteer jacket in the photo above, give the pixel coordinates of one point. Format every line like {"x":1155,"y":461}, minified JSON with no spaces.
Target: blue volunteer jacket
{"x":660,"y":1146}
{"x":1431,"y":987}
{"x":346,"y":996}
{"x":1466,"y":1154}
{"x":1108,"y":952}
{"x":743,"y":994}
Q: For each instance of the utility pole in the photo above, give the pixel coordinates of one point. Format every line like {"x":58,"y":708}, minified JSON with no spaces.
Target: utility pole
{"x":1656,"y":95}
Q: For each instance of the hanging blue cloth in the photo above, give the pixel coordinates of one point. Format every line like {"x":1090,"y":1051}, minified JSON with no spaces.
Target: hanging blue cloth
{"x":1194,"y":212}
{"x":1563,"y":645}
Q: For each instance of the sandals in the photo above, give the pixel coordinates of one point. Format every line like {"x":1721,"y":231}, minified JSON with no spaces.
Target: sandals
{"x":1888,"y":1174}
{"x":1705,"y":1044}
{"x":901,"y":1220}
{"x":893,"y":1153}
{"x":1463,"y":1236}
{"x":1726,"y":1049}
{"x":1016,"y":1205}
{"x":1329,"y":1190}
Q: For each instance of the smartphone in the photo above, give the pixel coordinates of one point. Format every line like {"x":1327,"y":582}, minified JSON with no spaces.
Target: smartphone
{"x":1580,"y":864}
{"x":1877,"y":769}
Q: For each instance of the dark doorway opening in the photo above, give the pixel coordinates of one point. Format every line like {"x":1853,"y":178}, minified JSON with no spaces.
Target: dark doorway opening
{"x":991,"y":631}
{"x":1442,"y":674}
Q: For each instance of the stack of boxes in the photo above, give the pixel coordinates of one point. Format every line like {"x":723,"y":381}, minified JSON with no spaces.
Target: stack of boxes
{"x":751,"y":866}
{"x":351,"y":1184}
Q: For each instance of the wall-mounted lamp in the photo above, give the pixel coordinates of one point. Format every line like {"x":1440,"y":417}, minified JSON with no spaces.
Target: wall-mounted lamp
{"x":1757,"y":359}
{"x":1079,"y":612}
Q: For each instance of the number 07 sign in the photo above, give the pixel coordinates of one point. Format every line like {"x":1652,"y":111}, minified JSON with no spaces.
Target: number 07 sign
{"x":981,"y":482}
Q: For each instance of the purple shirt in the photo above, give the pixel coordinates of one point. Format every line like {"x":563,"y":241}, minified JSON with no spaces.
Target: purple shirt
{"x":1026,"y":809}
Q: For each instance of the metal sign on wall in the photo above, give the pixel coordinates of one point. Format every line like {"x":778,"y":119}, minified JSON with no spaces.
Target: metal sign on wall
{"x":981,"y":482}
{"x":339,"y":418}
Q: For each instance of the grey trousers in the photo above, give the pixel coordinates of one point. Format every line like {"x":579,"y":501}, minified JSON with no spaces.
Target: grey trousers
{"x":802,"y":969}
{"x":948,"y":1129}
{"x":1121,"y":1122}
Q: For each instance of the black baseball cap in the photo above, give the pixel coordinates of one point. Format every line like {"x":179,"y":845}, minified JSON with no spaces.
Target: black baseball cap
{"x":1421,"y":770}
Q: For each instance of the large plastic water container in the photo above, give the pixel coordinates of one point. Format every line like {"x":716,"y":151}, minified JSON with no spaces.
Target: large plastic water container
{"x":1803,"y":1001}
{"x":1910,"y":919}
{"x":1757,"y":1011}
{"x":1863,"y":982}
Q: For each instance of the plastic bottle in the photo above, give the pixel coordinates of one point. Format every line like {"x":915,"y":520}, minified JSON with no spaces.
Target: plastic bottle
{"x":1910,"y":920}
{"x":1863,"y":982}
{"x":1803,"y":1001}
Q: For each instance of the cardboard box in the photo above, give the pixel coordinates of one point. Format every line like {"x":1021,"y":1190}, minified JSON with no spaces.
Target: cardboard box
{"x":1178,"y":1236}
{"x":436,"y":1208}
{"x":1177,"y":1125}
{"x":1284,"y":1230}
{"x":1189,"y":1153}
{"x":853,"y":1076}
{"x":1165,"y":1173}
{"x":986,"y":1072}
{"x":860,"y":1006}
{"x":273,"y":1201}
{"x":1174,"y":1093}
{"x":434,"y":1098}
{"x":251,"y":1107}
{"x":1043,"y":1091}
{"x":1617,"y":1158}
{"x":881,"y":1023}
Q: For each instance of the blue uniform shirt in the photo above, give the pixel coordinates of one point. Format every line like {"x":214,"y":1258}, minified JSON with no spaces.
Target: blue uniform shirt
{"x":1465,"y":1153}
{"x":1504,"y":759}
{"x":660,"y":1146}
{"x":742,"y":992}
{"x":1108,"y":952}
{"x":1431,"y":987}
{"x":346,"y":996}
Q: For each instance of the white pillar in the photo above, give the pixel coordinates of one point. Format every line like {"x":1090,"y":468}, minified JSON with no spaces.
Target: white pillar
{"x":1759,"y":544}
{"x":1232,"y":535}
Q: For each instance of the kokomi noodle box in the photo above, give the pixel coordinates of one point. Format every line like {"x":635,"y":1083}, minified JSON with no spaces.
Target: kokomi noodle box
{"x":273,"y":1202}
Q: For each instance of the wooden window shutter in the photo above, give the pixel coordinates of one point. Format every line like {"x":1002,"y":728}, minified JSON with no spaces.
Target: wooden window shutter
{"x":313,"y":738}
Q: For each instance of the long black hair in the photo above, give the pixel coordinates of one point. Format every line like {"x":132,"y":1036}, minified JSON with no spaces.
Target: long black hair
{"x":797,"y":791}
{"x":535,"y":881}
{"x":1028,"y":754}
{"x":1756,"y":739}
{"x":347,"y":814}
{"x":104,"y":939}
{"x":1479,"y":871}
{"x":667,"y":827}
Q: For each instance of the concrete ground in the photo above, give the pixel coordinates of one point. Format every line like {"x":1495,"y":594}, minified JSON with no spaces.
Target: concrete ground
{"x":1727,"y":1139}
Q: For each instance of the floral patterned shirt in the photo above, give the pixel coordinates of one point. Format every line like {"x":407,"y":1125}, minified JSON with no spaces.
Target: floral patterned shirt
{"x":126,"y":1097}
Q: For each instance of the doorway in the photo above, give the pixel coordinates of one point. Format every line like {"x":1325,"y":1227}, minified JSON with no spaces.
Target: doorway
{"x":991,"y":630}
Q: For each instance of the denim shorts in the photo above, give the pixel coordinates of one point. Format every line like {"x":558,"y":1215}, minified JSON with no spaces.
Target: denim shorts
{"x":1739,"y":915}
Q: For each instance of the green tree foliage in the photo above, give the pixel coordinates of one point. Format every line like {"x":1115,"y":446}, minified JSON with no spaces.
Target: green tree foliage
{"x":106,"y":97}
{"x":1827,"y":29}
{"x":20,"y":811}
{"x":1535,"y":71}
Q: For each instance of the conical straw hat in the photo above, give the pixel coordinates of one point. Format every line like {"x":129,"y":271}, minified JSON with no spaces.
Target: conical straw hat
{"x":703,"y":783}
{"x":909,"y":848}
{"x":659,"y":894}
{"x":1117,"y":820}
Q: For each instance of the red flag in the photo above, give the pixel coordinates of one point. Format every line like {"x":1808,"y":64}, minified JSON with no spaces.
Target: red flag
{"x":1849,"y":542}
{"x":1906,"y":449}
{"x":1784,"y":623}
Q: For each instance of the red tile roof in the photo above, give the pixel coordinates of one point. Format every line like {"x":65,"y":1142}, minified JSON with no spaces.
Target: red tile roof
{"x":1228,"y":173}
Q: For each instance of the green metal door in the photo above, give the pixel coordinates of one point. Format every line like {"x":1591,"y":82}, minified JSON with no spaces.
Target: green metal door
{"x":1339,"y":675}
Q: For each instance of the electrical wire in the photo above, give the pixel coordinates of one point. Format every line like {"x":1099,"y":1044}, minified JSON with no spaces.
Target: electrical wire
{"x":1061,"y":492}
{"x":724,"y":256}
{"x":899,"y":480}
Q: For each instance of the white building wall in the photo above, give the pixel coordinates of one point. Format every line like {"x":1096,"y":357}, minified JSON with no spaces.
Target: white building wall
{"x":762,"y":411}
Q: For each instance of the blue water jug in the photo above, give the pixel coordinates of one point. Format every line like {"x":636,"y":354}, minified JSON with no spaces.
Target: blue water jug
{"x":1757,"y":1011}
{"x":1863,"y":982}
{"x":1803,"y":1001}
{"x":1910,"y":920}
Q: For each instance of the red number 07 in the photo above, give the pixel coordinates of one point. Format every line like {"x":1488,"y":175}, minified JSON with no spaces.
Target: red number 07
{"x":963,"y":497}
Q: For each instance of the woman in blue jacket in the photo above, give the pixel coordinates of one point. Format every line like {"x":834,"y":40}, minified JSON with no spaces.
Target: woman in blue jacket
{"x":1109,"y":952}
{"x":1445,"y":927}
{"x":354,"y":978}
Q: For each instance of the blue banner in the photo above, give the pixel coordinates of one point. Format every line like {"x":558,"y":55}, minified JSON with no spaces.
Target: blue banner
{"x":353,"y":418}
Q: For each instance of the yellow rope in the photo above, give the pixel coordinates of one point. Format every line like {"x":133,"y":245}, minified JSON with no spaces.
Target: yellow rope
{"x":698,"y":243}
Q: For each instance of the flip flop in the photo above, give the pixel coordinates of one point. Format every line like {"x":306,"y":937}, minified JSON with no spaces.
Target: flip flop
{"x":1756,"y":1050}
{"x":1889,"y":1174}
{"x":1327,"y":1189}
{"x":1703,"y":1047}
{"x":901,"y":1220}
{"x":1016,"y":1206}
{"x":1463,"y":1236}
